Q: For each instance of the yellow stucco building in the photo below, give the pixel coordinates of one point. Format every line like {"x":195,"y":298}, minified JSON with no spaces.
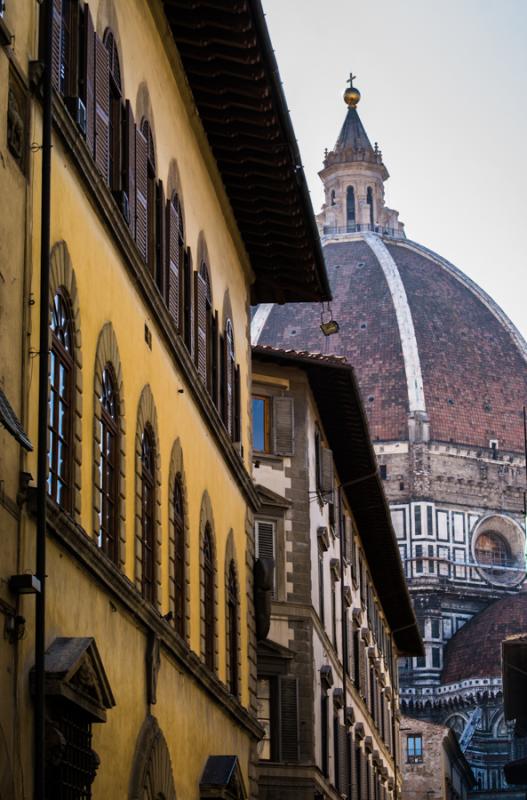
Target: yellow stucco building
{"x":176,"y":199}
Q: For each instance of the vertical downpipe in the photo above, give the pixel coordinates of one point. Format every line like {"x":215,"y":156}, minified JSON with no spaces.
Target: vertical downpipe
{"x":42,"y":458}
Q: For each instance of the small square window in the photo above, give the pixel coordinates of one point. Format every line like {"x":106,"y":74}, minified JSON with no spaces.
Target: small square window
{"x":414,"y":747}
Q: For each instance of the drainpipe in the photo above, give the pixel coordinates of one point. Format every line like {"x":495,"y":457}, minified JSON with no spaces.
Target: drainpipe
{"x":42,"y":457}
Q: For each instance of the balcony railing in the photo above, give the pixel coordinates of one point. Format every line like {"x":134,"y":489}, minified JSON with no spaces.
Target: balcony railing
{"x":329,"y":230}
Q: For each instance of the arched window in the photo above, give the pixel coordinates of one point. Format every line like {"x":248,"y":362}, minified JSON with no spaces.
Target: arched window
{"x":204,"y":350}
{"x":332,"y":197}
{"x":148,"y":533}
{"x":350,"y":206}
{"x":369,"y":200}
{"x":115,"y":117}
{"x":60,"y":423}
{"x":108,"y":537}
{"x":179,"y":559}
{"x":492,"y":550}
{"x":232,"y":632}
{"x":208,"y":597}
{"x":175,"y":289}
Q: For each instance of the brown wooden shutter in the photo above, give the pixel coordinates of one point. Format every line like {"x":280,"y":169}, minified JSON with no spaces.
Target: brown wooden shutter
{"x":141,"y":194}
{"x":160,"y":240}
{"x":188,"y":308}
{"x":362,"y":669}
{"x":56,"y":46}
{"x":174,"y":251}
{"x":283,"y":426}
{"x":102,"y":109}
{"x":265,"y":536}
{"x":227,"y":377}
{"x":326,"y":482}
{"x":343,"y":761}
{"x":289,"y":718}
{"x":87,"y":74}
{"x":215,"y":358}
{"x":200,"y":355}
{"x":237,"y":433}
{"x":364,"y":776}
{"x":129,"y":164}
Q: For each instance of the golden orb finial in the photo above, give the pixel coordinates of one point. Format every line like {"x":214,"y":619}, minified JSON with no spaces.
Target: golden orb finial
{"x":351,"y":94}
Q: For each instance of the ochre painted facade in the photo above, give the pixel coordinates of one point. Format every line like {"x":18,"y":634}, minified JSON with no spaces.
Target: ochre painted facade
{"x":99,"y":267}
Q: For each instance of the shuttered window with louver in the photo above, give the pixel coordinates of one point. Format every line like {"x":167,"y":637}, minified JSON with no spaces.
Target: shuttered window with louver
{"x":141,"y":194}
{"x":129,"y":137}
{"x":87,"y":75}
{"x":56,"y":47}
{"x":175,"y":247}
{"x":200,"y":356}
{"x":288,"y":687}
{"x":326,"y":476}
{"x":283,"y":426}
{"x":102,"y":109}
{"x":343,"y":774}
{"x":160,"y":239}
{"x":265,"y":543}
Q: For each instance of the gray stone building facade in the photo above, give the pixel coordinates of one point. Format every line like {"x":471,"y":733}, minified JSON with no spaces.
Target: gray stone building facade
{"x":443,"y":376}
{"x":341,"y":614}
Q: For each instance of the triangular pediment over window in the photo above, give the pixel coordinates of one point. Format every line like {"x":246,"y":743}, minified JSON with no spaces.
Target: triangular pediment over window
{"x":270,"y":498}
{"x":74,"y":671}
{"x":222,"y":778}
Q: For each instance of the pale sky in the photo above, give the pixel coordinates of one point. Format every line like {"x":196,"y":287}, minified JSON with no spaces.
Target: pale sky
{"x":444,"y":92}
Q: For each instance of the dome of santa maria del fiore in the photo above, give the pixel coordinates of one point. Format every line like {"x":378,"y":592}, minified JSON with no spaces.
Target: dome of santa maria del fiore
{"x":421,"y":336}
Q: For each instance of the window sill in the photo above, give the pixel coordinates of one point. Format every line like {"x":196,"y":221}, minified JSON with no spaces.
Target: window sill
{"x":266,"y":458}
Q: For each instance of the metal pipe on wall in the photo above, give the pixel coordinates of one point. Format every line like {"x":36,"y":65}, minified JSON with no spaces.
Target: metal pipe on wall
{"x":42,"y":457}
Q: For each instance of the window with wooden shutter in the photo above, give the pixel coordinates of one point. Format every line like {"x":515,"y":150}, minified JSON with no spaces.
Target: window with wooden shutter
{"x":200,"y":354}
{"x":102,"y":109}
{"x":188,"y":305}
{"x":87,"y":75}
{"x":265,"y":542}
{"x":141,"y":194}
{"x":115,"y":122}
{"x":56,"y":48}
{"x":160,"y":239}
{"x":148,"y":521}
{"x":336,"y":753}
{"x":174,"y":255}
{"x":283,"y":426}
{"x":324,"y":740}
{"x":237,"y":433}
{"x":289,"y":744}
{"x":179,"y":559}
{"x":215,"y":360}
{"x":327,"y":479}
{"x":229,"y":378}
{"x":343,"y":772}
{"x":357,"y":772}
{"x":151,"y":200}
{"x":232,"y":632}
{"x":128,"y":178}
{"x":209,"y":599}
